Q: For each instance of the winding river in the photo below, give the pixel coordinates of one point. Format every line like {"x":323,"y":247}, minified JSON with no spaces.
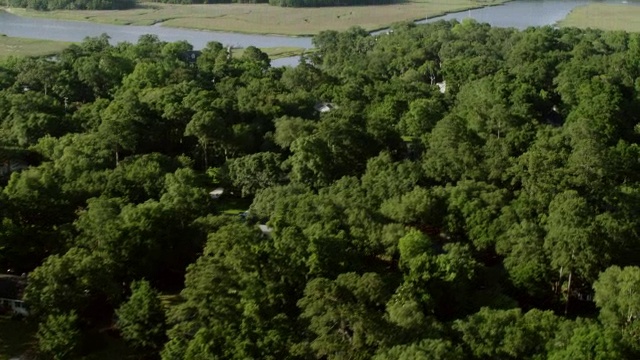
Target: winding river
{"x":519,"y":14}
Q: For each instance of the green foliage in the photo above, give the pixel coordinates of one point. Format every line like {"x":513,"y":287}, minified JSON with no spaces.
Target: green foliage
{"x":75,"y":4}
{"x":507,"y":334}
{"x":435,"y":349}
{"x":617,"y":297}
{"x":59,"y":336}
{"x":403,"y":223}
{"x":253,"y":173}
{"x":76,"y":281}
{"x":344,"y":315}
{"x":141,"y":319}
{"x":586,"y":340}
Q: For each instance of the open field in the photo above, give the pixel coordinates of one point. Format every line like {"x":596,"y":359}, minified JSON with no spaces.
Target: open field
{"x":16,"y":337}
{"x":12,"y":46}
{"x":605,"y":17}
{"x":267,"y":19}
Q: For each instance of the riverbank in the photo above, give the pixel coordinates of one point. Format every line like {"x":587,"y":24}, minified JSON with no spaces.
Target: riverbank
{"x":264,"y":18}
{"x":605,"y":17}
{"x":14,"y":46}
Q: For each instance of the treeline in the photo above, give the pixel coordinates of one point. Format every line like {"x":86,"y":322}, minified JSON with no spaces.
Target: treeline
{"x":44,"y":5}
{"x":290,"y":3}
{"x":473,"y":193}
{"x":186,"y":2}
{"x":321,"y":3}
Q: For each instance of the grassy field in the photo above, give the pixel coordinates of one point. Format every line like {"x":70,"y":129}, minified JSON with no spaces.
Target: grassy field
{"x":274,"y":52}
{"x":12,"y":46}
{"x":605,"y":17}
{"x":266,"y":19}
{"x":16,"y":337}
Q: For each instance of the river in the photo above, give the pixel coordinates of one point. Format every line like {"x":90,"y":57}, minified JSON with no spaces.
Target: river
{"x":519,"y":14}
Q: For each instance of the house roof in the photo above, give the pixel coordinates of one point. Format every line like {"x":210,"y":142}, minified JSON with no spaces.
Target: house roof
{"x":216,"y":193}
{"x":266,"y":230}
{"x":12,"y":286}
{"x":324,"y":107}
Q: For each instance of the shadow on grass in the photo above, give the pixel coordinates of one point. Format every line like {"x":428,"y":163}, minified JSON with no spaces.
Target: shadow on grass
{"x":232,"y":205}
{"x":17,"y":337}
{"x":106,"y":344}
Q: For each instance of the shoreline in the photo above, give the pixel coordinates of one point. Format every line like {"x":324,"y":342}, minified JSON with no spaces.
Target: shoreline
{"x":181,"y":12}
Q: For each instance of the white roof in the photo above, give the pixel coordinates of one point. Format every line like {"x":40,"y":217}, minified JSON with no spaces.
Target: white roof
{"x":265,"y":229}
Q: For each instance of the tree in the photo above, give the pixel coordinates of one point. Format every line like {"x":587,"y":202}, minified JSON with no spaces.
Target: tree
{"x":585,"y":340}
{"x":618,"y":297}
{"x":77,"y":281}
{"x":570,"y":241}
{"x":59,"y":336}
{"x":507,"y":334}
{"x":123,"y":124}
{"x":452,"y":151}
{"x":422,"y":117}
{"x":525,"y":259}
{"x":288,"y":129}
{"x":427,"y":349}
{"x":140,"y":177}
{"x":255,"y":172}
{"x":345,"y":316}
{"x":141,"y":319}
{"x":207,"y":127}
{"x":439,"y":281}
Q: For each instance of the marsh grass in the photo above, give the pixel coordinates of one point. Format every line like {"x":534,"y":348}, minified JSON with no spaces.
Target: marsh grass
{"x":13,"y":46}
{"x":604,"y":17}
{"x":267,"y":19}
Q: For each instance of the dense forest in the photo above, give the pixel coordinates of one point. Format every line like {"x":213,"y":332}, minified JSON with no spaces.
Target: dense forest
{"x":443,"y":191}
{"x":45,"y":5}
{"x":130,"y":4}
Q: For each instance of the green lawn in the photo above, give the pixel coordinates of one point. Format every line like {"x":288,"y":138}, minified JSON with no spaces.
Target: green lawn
{"x":111,"y":348}
{"x":274,"y":52}
{"x":605,"y":17}
{"x":12,"y":46}
{"x":16,"y":337}
{"x":267,"y":19}
{"x":170,"y":300}
{"x":230,"y":205}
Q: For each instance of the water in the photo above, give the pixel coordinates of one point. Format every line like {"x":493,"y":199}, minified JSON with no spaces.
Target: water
{"x":76,"y":31}
{"x":519,"y":14}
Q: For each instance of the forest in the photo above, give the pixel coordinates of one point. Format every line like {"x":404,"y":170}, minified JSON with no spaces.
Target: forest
{"x":442,"y":191}
{"x":46,"y":5}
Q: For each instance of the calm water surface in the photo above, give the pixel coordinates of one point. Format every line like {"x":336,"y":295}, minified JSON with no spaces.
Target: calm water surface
{"x":521,"y":14}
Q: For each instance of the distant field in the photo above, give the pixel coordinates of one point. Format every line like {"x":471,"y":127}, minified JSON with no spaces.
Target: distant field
{"x":605,"y":17}
{"x":12,"y":46}
{"x":266,"y":19}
